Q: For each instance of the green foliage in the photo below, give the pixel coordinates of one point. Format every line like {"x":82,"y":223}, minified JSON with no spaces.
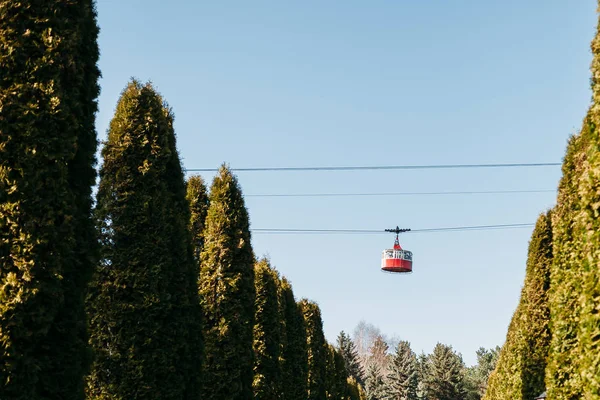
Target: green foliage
{"x":295,"y":351}
{"x":348,"y":351}
{"x":522,"y":362}
{"x":402,"y":378}
{"x":563,"y":377}
{"x":477,"y":376}
{"x":143,"y":303}
{"x":267,"y":334}
{"x":536,"y":312}
{"x":227,"y":293}
{"x":444,"y":378}
{"x":197,"y":197}
{"x":378,"y":354}
{"x":337,"y":377}
{"x":589,"y":220}
{"x":422,"y":362}
{"x":374,"y":383}
{"x":355,"y":390}
{"x":48,"y":91}
{"x":317,"y":350}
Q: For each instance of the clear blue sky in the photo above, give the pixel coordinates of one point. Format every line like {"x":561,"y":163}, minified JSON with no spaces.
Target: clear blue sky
{"x":273,"y":83}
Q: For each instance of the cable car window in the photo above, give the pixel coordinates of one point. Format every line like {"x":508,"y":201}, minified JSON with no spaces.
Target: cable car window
{"x":389,"y":254}
{"x":408,"y":255}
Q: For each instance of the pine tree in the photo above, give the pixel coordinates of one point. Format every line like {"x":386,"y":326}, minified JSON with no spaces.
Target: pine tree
{"x":444,"y":377}
{"x":267,"y":334}
{"x":317,"y":350}
{"x":295,"y":352}
{"x":48,"y":92}
{"x":227,"y":293}
{"x":378,"y":354}
{"x":478,"y":375}
{"x":374,"y":384}
{"x":422,"y":371}
{"x":197,"y":197}
{"x":402,"y":378}
{"x":350,"y":354}
{"x":143,"y":299}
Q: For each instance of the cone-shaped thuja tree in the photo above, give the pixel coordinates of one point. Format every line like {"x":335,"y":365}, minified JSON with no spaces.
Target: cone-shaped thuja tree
{"x":295,"y":351}
{"x":197,"y":197}
{"x":337,"y":376}
{"x":348,"y":351}
{"x":227,"y":293}
{"x":505,"y":381}
{"x":267,"y":334}
{"x":317,"y":350}
{"x":143,"y":298}
{"x":562,"y":373}
{"x":589,"y":192}
{"x":48,"y":91}
{"x":536,"y":312}
{"x":520,"y":371}
{"x":402,"y":377}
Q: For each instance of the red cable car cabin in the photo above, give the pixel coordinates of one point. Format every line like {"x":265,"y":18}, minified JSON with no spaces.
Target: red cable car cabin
{"x":396,"y":260}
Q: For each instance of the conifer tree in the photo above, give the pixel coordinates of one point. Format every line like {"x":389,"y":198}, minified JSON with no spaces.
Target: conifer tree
{"x":317,"y":350}
{"x":48,"y":92}
{"x":536,"y":312}
{"x":402,"y":379}
{"x":522,"y":361}
{"x":355,"y":390}
{"x":267,"y":334}
{"x":563,"y":376}
{"x":505,"y":381}
{"x":197,"y":197}
{"x":227,"y":293}
{"x":422,"y":370}
{"x":444,"y":378}
{"x":478,"y":375}
{"x":378,"y":354}
{"x":348,"y":351}
{"x":143,"y":298}
{"x":295,"y":352}
{"x":589,"y":255}
{"x":337,"y":376}
{"x":374,"y":383}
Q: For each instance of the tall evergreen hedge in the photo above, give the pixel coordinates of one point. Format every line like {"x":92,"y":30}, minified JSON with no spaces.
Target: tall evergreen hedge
{"x":227,"y":293}
{"x":143,"y":301}
{"x":197,"y":196}
{"x":267,"y":334}
{"x":48,"y":91}
{"x":563,"y":377}
{"x":589,"y":193}
{"x":295,"y":352}
{"x":317,"y":350}
{"x":520,"y":371}
{"x":336,"y":375}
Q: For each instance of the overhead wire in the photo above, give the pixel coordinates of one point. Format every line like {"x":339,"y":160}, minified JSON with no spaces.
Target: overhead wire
{"x":380,"y":167}
{"x":481,"y":192}
{"x":381,"y":231}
